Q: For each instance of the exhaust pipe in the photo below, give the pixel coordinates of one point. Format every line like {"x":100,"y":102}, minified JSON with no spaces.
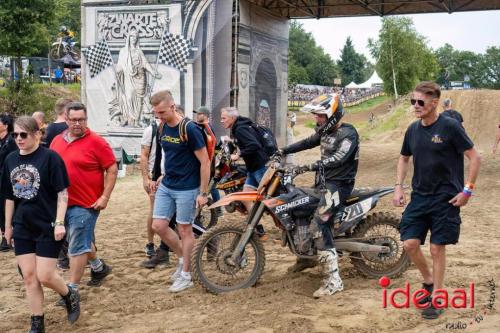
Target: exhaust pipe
{"x":360,"y":247}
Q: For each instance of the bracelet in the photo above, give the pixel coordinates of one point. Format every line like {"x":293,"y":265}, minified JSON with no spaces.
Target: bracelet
{"x":105,"y":197}
{"x":398,"y":184}
{"x":57,"y":223}
{"x":467,"y":192}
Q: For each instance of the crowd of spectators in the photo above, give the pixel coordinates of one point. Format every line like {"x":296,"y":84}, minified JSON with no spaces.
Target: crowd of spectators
{"x":303,"y":93}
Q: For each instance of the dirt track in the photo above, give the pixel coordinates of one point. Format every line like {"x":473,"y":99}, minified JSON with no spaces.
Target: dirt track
{"x":136,"y":300}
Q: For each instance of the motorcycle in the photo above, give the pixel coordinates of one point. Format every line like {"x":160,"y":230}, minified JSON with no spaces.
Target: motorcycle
{"x":229,"y":176}
{"x":236,"y":257}
{"x":60,"y":48}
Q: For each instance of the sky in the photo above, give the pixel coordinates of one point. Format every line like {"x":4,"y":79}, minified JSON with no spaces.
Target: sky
{"x":467,"y":31}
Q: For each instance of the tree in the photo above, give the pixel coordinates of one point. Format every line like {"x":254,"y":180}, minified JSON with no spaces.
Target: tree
{"x":402,"y":56}
{"x":490,"y":68}
{"x":322,"y":70}
{"x":297,"y":74}
{"x":368,"y":69}
{"x":307,"y":62}
{"x":445,"y":58}
{"x":352,"y":64}
{"x":23,"y":24}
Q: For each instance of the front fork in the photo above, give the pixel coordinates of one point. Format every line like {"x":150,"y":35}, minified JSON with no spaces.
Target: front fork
{"x":252,"y":221}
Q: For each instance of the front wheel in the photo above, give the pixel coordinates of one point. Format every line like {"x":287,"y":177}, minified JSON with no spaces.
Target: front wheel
{"x":211,"y":265}
{"x":56,"y":52}
{"x":380,"y":229}
{"x":206,"y":218}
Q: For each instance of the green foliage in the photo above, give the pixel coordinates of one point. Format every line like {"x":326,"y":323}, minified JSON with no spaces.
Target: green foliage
{"x":370,"y":104}
{"x":28,"y":98}
{"x":403,"y":56}
{"x":322,"y":70}
{"x":296,"y":73}
{"x":353,"y":66}
{"x":307,"y":62}
{"x":388,"y":122}
{"x":490,"y":68}
{"x":23,"y":26}
{"x":483,"y":69}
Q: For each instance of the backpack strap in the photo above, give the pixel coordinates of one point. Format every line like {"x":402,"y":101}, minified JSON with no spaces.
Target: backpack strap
{"x":154,"y":132}
{"x":183,"y":129}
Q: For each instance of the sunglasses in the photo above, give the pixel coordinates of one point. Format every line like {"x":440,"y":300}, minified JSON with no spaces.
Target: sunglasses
{"x":419,"y":101}
{"x":23,"y":135}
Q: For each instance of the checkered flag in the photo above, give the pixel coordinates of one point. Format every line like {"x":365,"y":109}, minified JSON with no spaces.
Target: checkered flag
{"x":98,"y":57}
{"x":174,"y":50}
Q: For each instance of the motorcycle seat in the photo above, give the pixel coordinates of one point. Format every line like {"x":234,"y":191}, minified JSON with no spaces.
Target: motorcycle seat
{"x":361,"y":193}
{"x":311,"y":191}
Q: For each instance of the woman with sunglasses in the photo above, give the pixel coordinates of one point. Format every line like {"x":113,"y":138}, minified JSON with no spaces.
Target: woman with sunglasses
{"x":7,"y":146}
{"x":34,"y":184}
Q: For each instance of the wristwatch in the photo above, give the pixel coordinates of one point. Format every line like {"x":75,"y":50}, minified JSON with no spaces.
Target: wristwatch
{"x":204,"y":194}
{"x":58,"y":222}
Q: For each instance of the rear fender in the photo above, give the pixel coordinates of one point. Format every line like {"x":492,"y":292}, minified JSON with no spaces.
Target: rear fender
{"x":237,"y":196}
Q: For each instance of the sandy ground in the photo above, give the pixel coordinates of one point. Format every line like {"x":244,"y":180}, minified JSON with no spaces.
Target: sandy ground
{"x":133,"y":299}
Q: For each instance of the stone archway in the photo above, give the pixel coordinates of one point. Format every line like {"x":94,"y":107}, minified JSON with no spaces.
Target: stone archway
{"x":265,"y":102}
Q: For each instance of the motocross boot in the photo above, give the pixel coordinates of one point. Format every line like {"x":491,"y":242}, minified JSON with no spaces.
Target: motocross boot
{"x":333,"y":282}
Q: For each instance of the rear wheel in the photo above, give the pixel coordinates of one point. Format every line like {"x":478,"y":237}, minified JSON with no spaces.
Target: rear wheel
{"x":75,"y":53}
{"x":215,"y":271}
{"x":381,"y":229}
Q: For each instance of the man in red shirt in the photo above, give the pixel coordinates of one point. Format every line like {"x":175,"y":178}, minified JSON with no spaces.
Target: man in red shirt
{"x":92,"y":171}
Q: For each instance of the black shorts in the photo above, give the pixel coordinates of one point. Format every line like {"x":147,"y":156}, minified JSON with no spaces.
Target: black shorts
{"x":434,"y":213}
{"x":46,"y":249}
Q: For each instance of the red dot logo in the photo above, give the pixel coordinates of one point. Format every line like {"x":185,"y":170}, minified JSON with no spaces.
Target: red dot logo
{"x":384,"y":282}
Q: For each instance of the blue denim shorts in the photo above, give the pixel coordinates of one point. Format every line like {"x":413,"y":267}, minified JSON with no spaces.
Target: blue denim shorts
{"x":254,"y":178}
{"x":181,"y":202}
{"x":80,"y":232}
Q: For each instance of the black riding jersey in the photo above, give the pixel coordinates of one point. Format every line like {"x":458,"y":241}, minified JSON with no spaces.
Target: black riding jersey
{"x":339,"y":152}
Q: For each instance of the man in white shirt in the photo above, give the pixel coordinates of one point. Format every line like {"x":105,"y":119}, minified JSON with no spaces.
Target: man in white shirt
{"x":149,"y":181}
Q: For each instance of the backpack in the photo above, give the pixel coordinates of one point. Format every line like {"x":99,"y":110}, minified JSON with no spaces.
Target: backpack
{"x":266,"y":138}
{"x":208,"y":135}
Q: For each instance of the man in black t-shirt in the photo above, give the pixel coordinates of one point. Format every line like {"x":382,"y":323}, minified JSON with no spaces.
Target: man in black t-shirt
{"x":438,"y":145}
{"x":449,"y":112}
{"x":59,"y":125}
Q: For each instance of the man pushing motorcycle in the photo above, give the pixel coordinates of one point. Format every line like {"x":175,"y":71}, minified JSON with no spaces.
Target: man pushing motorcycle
{"x":335,"y":176}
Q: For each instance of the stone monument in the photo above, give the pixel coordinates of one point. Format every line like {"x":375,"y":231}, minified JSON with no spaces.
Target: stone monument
{"x":118,"y":96}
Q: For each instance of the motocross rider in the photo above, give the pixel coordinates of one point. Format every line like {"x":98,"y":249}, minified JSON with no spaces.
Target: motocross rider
{"x":335,"y":175}
{"x":67,"y":35}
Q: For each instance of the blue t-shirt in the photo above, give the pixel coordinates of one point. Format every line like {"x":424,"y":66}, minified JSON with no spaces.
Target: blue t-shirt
{"x":182,"y":168}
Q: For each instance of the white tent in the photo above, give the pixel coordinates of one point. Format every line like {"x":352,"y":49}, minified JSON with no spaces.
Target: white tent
{"x":374,"y":80}
{"x":352,"y":85}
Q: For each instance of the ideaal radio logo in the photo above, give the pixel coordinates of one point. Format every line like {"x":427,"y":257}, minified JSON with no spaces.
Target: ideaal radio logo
{"x":460,"y":298}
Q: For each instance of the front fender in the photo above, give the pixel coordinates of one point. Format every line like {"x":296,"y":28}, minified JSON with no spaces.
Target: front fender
{"x":237,"y":196}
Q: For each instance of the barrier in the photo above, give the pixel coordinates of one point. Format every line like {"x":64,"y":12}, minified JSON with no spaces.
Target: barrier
{"x":296,"y":104}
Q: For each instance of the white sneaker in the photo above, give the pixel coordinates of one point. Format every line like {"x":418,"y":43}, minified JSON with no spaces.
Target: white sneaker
{"x":181,"y":284}
{"x":176,"y":274}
